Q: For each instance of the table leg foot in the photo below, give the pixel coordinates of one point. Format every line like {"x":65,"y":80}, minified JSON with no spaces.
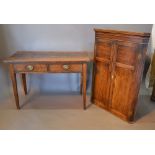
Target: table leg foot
{"x":84,"y":83}
{"x":23,"y":80}
{"x":14,"y":84}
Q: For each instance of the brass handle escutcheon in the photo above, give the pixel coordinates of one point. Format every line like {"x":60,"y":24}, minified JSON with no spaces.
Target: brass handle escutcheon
{"x":29,"y":67}
{"x":65,"y":67}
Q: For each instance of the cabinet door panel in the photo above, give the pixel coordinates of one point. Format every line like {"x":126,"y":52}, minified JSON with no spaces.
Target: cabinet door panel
{"x":126,"y":53}
{"x":125,"y":83}
{"x":101,"y":84}
{"x":103,"y":50}
{"x":123,"y":92}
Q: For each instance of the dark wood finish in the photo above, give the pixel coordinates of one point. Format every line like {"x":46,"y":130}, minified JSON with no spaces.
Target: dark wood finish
{"x":48,"y":62}
{"x":23,"y":80}
{"x":14,"y":84}
{"x":118,"y":64}
{"x":153,"y":93}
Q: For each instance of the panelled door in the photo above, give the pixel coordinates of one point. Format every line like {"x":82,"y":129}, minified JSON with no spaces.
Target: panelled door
{"x":118,"y":67}
{"x":124,"y":81}
{"x":102,"y":73}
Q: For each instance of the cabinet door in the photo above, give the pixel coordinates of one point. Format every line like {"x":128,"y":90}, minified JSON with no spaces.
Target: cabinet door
{"x":124,"y":92}
{"x":101,"y":84}
{"x":102,"y":71}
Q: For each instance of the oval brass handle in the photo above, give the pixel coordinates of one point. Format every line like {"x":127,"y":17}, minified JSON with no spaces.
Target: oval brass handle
{"x":29,"y":67}
{"x":65,"y":67}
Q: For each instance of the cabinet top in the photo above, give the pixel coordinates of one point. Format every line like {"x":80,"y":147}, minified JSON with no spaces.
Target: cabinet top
{"x":138,"y":34}
{"x":51,"y":56}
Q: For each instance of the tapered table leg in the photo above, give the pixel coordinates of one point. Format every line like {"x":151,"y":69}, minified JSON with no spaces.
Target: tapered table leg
{"x":84,"y":81}
{"x":23,"y":80}
{"x":14,"y":84}
{"x":81,"y":83}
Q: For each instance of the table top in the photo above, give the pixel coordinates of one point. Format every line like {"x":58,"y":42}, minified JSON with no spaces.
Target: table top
{"x":49,"y":56}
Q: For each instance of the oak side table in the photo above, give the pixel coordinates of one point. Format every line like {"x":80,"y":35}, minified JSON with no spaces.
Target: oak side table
{"x":24,"y":62}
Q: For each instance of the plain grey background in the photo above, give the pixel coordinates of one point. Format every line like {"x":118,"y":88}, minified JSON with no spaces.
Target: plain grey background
{"x":59,"y":37}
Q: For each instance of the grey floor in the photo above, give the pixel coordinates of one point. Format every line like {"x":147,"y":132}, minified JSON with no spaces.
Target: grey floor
{"x":64,"y":111}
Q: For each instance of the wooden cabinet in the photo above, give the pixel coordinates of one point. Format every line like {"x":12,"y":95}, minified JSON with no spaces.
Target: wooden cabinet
{"x":118,"y":65}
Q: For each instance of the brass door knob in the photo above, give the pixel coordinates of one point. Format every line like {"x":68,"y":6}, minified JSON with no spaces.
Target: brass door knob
{"x":112,"y":77}
{"x":65,"y":67}
{"x":29,"y":67}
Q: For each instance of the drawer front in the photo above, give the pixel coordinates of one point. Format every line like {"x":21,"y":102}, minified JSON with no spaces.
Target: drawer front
{"x":30,"y":68}
{"x":65,"y":68}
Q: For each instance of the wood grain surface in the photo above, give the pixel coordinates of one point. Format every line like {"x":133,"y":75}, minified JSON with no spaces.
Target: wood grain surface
{"x":50,"y":56}
{"x":118,"y":65}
